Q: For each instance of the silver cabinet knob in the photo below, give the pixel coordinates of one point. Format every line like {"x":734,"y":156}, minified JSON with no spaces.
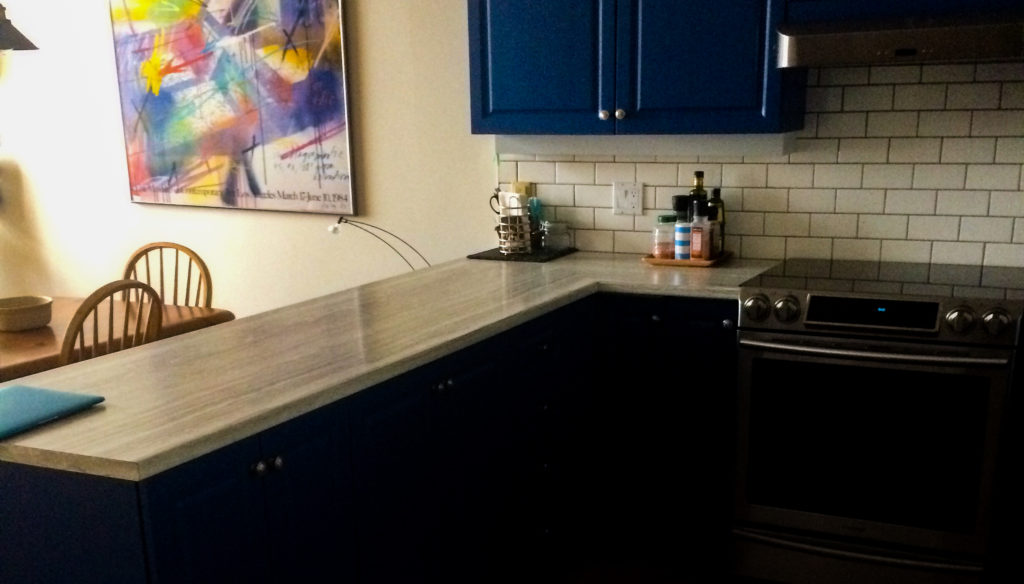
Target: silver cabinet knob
{"x":604,"y":114}
{"x":259,"y":469}
{"x":620,"y":114}
{"x":278,"y":462}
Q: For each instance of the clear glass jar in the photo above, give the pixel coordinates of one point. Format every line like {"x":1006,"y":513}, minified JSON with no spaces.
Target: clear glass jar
{"x":555,"y":235}
{"x":663,"y":237}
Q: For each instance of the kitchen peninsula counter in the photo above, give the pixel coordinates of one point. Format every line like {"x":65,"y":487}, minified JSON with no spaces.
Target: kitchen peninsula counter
{"x":172,"y":401}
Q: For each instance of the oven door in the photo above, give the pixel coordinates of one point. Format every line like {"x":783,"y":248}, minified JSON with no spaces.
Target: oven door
{"x":886,"y":443}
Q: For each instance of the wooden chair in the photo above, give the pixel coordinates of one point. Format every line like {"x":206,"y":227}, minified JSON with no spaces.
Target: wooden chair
{"x":178,"y":273}
{"x":118,"y":315}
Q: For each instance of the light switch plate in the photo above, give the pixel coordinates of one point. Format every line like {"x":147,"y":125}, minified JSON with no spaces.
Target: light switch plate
{"x":627,"y":198}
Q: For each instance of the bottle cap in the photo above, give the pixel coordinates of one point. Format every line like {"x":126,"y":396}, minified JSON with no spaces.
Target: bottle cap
{"x":700,"y":207}
{"x":667,"y":218}
{"x":698,"y":173}
{"x":680,"y":203}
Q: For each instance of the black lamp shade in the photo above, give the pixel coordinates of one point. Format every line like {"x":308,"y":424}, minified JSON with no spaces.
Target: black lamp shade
{"x":10,"y":37}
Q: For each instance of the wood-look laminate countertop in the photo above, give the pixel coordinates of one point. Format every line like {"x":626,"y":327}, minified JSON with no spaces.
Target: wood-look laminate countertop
{"x":174,"y":400}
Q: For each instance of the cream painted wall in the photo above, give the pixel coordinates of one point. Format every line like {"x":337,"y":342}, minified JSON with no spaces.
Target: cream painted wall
{"x":66,"y":222}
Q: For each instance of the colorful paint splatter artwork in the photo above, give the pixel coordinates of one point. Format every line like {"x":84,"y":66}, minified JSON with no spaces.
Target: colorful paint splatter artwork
{"x":235,"y":103}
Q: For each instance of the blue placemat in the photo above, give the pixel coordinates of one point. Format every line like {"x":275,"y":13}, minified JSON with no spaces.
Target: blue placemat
{"x":23,"y":407}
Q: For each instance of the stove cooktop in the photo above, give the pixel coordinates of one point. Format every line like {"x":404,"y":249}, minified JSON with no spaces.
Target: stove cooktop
{"x":950,"y":302}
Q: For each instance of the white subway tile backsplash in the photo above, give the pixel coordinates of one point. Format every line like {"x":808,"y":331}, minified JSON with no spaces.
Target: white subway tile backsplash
{"x":536,"y":172}
{"x":939,"y":176}
{"x":895,"y":74}
{"x":1000,"y":71}
{"x":867,"y":98}
{"x":824,"y":99}
{"x":1004,"y":254}
{"x":812,"y":200}
{"x":767,"y":200}
{"x":809,"y":247}
{"x":844,"y":76}
{"x":860,"y":201}
{"x":1007,"y":204}
{"x":951,"y":123}
{"x":787,"y":224}
{"x":919,"y":97}
{"x":609,"y":172}
{"x":997,"y":123}
{"x":763,"y":247}
{"x":580,"y":173}
{"x":960,"y":203}
{"x":1013,"y":96}
{"x":947,"y":252}
{"x":902,"y":163}
{"x":841,"y":125}
{"x":933,"y":228}
{"x":1010,"y":150}
{"x":888,"y":176}
{"x":840,"y":176}
{"x":915,"y":149}
{"x":1004,"y":177}
{"x":882,"y":226}
{"x":981,"y":150}
{"x":657,"y":174}
{"x":972,"y":96}
{"x":895,"y":250}
{"x":744,"y":175}
{"x":994,"y":229}
{"x":790,"y":175}
{"x":892,"y":124}
{"x":856,"y":249}
{"x":815,"y":151}
{"x":593,"y":196}
{"x":947,"y":73}
{"x":833,"y":225}
{"x":863,"y":149}
{"x":910,"y":202}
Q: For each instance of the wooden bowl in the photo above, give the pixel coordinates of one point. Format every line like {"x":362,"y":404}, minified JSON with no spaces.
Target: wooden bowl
{"x":20,"y":313}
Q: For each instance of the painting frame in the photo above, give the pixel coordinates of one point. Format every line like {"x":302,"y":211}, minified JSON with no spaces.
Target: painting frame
{"x":235,"y":104}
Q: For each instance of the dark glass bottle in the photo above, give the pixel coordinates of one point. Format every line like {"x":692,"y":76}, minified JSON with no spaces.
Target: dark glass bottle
{"x":718,"y":213}
{"x":698,"y":191}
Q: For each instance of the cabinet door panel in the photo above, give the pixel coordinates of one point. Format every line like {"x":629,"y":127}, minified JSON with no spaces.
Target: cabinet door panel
{"x":540,"y":67}
{"x":204,"y":520}
{"x":308,"y":486}
{"x":699,"y":66}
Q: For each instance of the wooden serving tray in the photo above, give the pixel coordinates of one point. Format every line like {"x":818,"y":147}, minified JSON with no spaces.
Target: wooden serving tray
{"x":649,"y":259}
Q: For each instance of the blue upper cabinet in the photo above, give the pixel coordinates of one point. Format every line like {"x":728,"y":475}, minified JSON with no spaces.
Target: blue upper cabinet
{"x":629,"y":67}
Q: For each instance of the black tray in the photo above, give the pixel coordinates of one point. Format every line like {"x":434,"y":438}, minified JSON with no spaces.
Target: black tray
{"x":541,"y":255}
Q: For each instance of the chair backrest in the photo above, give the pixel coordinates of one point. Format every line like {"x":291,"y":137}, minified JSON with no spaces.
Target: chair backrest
{"x":118,"y":315}
{"x":179,"y":275}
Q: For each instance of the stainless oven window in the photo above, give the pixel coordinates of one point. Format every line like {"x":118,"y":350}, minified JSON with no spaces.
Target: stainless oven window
{"x":887,"y":449}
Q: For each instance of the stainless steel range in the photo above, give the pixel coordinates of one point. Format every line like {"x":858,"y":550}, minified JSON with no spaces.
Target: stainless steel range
{"x":872,"y":399}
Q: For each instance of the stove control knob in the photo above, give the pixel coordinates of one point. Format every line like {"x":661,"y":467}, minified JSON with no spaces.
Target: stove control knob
{"x":961,"y":319}
{"x":757,"y":307}
{"x":787,"y":309}
{"x":996,"y":321}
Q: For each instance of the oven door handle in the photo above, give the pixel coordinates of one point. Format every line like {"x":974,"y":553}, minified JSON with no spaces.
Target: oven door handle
{"x":876,"y":356}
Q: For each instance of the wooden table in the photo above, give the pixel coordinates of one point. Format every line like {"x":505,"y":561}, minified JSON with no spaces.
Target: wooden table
{"x":26,"y":352}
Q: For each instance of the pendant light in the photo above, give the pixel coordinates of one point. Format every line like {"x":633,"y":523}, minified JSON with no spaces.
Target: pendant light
{"x":10,"y":37}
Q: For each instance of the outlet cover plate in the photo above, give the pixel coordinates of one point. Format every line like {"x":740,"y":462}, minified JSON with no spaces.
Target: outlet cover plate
{"x":627,"y":198}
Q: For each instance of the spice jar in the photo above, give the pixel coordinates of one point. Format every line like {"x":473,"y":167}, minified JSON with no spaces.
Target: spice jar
{"x":663,"y":238}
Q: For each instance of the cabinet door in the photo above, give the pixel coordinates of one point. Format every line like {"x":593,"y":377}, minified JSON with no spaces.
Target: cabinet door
{"x":541,"y":67}
{"x":204,"y":520}
{"x":390,"y":450}
{"x":668,"y":429}
{"x":702,"y":66}
{"x":308,"y":498}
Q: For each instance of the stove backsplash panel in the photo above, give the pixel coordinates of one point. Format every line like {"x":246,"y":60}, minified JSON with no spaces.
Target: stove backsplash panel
{"x":896,"y":163}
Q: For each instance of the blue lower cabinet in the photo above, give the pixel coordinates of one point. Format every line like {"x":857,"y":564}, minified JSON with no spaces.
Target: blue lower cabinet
{"x":271,"y":508}
{"x":629,"y":67}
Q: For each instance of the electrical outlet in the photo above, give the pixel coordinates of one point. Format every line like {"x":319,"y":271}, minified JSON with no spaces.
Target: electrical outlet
{"x":628,"y":198}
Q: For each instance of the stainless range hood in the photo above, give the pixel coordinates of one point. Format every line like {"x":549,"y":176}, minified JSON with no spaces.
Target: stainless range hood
{"x":903,"y":41}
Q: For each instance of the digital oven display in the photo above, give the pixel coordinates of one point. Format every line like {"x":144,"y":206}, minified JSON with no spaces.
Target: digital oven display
{"x":871,"y":312}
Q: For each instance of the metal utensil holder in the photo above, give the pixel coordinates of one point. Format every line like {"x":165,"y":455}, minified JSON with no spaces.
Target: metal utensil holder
{"x":514,"y":234}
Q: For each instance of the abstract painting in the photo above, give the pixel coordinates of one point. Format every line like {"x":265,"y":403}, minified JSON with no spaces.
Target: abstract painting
{"x":235,"y":103}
